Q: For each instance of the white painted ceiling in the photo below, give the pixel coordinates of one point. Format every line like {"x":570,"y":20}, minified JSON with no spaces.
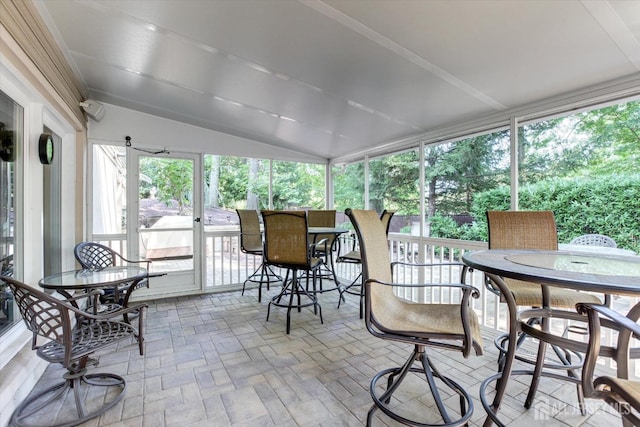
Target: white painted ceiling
{"x":336,"y":77}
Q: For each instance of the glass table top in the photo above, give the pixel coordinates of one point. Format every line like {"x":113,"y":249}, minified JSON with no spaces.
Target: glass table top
{"x":579,"y":263}
{"x":81,"y":279}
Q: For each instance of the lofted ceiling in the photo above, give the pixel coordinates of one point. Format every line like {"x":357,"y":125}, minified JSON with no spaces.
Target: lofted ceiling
{"x":336,"y":77}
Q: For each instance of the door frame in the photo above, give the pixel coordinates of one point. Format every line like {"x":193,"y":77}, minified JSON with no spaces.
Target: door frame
{"x":174,"y":283}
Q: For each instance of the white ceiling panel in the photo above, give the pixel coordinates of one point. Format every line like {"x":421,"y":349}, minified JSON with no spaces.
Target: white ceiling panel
{"x":335,"y":77}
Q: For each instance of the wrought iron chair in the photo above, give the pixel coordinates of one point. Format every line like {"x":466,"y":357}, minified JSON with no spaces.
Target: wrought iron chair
{"x":73,"y":335}
{"x":95,"y":256}
{"x":534,"y":230}
{"x":251,"y":244}
{"x":446,"y":326}
{"x":287,"y":246}
{"x":594,"y":240}
{"x":619,"y":392}
{"x":354,"y":257}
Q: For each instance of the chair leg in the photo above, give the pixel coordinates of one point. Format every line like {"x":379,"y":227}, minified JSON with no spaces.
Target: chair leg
{"x":57,"y":394}
{"x":564,"y":356}
{"x":292,"y":288}
{"x":346,"y":290}
{"x":398,"y":374}
{"x":263,"y":274}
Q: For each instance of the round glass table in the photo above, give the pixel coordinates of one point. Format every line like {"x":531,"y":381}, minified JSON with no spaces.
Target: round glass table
{"x":608,"y":274}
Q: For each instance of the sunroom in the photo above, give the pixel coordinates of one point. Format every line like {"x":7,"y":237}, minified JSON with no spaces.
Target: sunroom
{"x":437,"y":111}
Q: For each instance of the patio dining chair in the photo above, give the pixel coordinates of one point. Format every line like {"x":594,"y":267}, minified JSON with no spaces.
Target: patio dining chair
{"x":594,"y":240}
{"x":286,"y":245}
{"x":72,"y":336}
{"x":355,"y":257}
{"x":95,"y":256}
{"x":618,"y":391}
{"x":251,"y":244}
{"x":534,"y":230}
{"x":324,"y":243}
{"x":451,"y":326}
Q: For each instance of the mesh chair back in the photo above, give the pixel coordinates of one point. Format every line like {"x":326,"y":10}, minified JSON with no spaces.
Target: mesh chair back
{"x":250,"y":234}
{"x":522,"y":230}
{"x":94,"y":256}
{"x":383,"y":307}
{"x":43,"y":314}
{"x":323,"y":218}
{"x":286,"y":241}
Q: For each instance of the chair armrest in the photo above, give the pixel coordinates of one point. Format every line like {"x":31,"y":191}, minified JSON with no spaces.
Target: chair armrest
{"x":597,"y":314}
{"x":70,"y":304}
{"x":106,"y":316}
{"x":133,"y":261}
{"x":312,"y":247}
{"x":431,"y":264}
{"x":466,"y":288}
{"x":464,"y":269}
{"x":617,"y":318}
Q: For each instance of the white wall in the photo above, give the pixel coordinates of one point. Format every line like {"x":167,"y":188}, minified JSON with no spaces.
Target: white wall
{"x":155,"y":132}
{"x":20,"y":368}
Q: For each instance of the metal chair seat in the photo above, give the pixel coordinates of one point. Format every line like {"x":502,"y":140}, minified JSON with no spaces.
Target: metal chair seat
{"x":86,"y":339}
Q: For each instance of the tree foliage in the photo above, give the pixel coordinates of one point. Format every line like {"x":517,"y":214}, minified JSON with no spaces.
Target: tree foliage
{"x":460,"y":176}
{"x":172,"y":179}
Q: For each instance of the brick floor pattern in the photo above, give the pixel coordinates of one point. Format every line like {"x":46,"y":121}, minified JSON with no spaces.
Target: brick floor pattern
{"x":213,"y":360}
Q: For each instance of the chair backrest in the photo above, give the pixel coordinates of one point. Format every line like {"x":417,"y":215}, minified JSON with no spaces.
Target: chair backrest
{"x":286,"y":240}
{"x":385,"y":217}
{"x":250,"y":234}
{"x":43,"y":314}
{"x":322,"y":218}
{"x":594,"y":240}
{"x":522,"y":230}
{"x":381,"y":303}
{"x":94,"y":256}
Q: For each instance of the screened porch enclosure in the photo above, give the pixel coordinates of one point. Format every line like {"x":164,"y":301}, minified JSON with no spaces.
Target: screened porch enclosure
{"x":580,"y":166}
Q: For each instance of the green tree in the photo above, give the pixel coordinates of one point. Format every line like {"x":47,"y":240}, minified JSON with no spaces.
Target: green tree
{"x":173,"y":179}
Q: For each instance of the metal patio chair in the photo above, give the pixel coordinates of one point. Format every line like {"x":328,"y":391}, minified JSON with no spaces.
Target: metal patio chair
{"x":452,"y":326}
{"x":286,"y":245}
{"x":73,"y":335}
{"x":594,"y":240}
{"x":534,"y":230}
{"x":251,"y":243}
{"x":618,"y":391}
{"x":95,"y":256}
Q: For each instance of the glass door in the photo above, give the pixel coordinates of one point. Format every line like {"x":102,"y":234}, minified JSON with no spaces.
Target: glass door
{"x":167,"y":228}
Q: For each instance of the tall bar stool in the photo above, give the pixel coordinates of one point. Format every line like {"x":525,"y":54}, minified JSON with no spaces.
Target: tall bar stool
{"x":251,"y":244}
{"x":446,"y":326}
{"x":286,"y":245}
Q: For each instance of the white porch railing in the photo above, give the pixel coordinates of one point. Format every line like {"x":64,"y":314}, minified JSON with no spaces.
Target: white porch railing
{"x":225,"y":268}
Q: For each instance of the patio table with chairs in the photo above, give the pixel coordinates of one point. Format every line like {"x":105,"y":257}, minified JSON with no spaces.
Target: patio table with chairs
{"x":590,"y":272}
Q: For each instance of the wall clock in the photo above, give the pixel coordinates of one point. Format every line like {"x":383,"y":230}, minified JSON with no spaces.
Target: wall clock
{"x":45,"y":149}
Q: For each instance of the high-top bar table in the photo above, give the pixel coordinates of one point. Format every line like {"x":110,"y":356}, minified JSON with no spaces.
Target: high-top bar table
{"x":601,"y":273}
{"x":314,"y":232}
